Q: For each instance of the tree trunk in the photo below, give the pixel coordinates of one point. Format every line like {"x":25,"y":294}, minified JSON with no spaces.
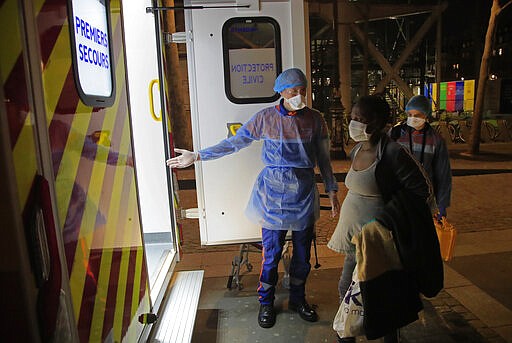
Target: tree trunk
{"x":476,"y":124}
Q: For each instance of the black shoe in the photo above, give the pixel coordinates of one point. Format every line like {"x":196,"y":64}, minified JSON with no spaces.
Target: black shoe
{"x":304,"y":311}
{"x":345,"y":339}
{"x":266,"y":316}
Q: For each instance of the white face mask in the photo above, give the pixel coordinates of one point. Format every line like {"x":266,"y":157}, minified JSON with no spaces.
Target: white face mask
{"x":297,"y":102}
{"x":357,"y":131}
{"x":415,"y":122}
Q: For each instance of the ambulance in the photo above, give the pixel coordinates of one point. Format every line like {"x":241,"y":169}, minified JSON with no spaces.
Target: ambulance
{"x":90,"y":235}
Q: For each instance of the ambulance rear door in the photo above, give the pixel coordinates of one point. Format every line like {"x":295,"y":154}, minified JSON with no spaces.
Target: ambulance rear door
{"x":235,"y":50}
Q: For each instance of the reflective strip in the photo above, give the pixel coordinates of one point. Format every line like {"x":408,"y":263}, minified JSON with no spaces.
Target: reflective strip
{"x":48,"y":35}
{"x":262,"y":263}
{"x":37,"y":5}
{"x":14,"y":83}
{"x":55,"y":73}
{"x":9,"y":17}
{"x":55,"y":144}
{"x":265,"y":286}
{"x":296,"y":282}
{"x":132,"y":335}
{"x":130,"y":288}
{"x":71,"y":156}
{"x":140,"y":279}
{"x":95,"y":189}
{"x":96,"y":201}
{"x":122,"y":284}
{"x":117,"y":216}
{"x":24,"y":158}
{"x":120,"y":276}
{"x":120,"y":295}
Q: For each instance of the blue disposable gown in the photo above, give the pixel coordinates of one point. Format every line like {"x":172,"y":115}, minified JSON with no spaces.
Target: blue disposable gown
{"x":284,"y":196}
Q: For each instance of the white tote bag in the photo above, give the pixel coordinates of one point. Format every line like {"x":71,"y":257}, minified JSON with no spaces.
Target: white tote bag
{"x":348,"y":321}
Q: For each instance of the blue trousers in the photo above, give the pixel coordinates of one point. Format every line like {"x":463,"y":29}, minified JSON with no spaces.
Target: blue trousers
{"x":273,"y":242}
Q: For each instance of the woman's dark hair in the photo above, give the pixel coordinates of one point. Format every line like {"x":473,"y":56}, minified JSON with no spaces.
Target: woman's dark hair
{"x":375,"y":110}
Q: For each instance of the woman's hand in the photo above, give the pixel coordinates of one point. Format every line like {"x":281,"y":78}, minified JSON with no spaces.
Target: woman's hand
{"x":441,"y":213}
{"x":186,"y":159}
{"x":335,"y":204}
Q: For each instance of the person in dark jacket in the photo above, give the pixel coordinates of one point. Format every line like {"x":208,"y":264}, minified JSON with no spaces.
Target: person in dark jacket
{"x":380,"y":168}
{"x":428,"y":147}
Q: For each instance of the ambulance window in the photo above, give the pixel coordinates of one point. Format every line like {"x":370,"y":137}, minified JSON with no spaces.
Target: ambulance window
{"x":91,"y":47}
{"x":252,"y":59}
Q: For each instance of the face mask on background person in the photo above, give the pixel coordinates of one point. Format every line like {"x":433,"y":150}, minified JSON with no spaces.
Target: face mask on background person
{"x":415,"y":122}
{"x":297,"y":102}
{"x":357,"y":131}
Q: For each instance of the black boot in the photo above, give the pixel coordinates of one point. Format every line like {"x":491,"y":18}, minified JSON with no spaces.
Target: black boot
{"x":345,"y":339}
{"x":267,"y":316}
{"x":304,"y":310}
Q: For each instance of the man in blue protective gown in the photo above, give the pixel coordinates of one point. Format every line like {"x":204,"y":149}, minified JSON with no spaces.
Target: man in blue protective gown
{"x":284,"y":196}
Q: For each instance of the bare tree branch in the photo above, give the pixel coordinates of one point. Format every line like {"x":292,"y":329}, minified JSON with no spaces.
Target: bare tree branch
{"x":503,"y":7}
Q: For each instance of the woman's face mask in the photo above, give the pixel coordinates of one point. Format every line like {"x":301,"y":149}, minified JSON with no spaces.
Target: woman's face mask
{"x":415,"y":122}
{"x":357,"y":131}
{"x":297,"y":102}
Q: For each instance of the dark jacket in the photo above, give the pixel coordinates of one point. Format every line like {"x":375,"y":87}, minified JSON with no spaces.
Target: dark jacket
{"x":416,"y":240}
{"x":392,"y":300}
{"x":397,"y":169}
{"x":406,"y":190}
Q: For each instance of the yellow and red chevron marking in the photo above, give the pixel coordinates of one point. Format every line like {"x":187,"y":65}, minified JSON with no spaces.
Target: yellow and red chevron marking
{"x":94,"y":180}
{"x":20,"y":130}
{"x":15,"y":86}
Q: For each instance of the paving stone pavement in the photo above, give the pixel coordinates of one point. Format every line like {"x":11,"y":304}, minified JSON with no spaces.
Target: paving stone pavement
{"x":482,"y":189}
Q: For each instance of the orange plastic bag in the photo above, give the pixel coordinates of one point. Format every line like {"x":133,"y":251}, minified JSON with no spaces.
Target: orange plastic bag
{"x":446,"y":234}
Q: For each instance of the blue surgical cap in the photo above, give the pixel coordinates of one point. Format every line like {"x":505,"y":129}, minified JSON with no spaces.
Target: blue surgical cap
{"x":420,"y":103}
{"x":290,"y":78}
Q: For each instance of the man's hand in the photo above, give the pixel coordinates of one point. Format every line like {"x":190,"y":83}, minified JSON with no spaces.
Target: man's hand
{"x":186,"y":159}
{"x":335,"y":204}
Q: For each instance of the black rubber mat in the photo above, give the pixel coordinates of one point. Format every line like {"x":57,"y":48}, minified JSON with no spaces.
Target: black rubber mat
{"x":490,"y":272}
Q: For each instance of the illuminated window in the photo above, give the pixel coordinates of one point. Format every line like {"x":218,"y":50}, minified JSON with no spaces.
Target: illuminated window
{"x":252,"y":59}
{"x":91,"y":47}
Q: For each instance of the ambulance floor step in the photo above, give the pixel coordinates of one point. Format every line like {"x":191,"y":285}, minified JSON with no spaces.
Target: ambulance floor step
{"x":176,"y":323}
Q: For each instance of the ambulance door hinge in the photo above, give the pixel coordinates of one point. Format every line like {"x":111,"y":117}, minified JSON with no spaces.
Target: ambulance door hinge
{"x":177,"y":37}
{"x":190,"y":213}
{"x":148,"y":318}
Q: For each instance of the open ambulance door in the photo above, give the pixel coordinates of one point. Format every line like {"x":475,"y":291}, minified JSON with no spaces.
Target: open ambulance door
{"x":151,"y":140}
{"x":234,"y":55}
